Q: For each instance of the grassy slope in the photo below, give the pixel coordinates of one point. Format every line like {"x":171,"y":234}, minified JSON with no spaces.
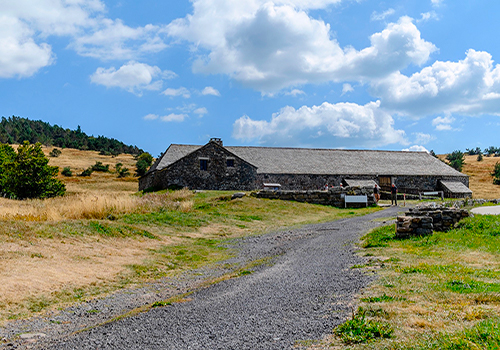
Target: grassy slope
{"x":438,"y":292}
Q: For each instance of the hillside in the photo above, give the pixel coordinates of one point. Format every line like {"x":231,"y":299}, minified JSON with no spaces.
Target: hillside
{"x":16,"y":130}
{"x":480,"y":179}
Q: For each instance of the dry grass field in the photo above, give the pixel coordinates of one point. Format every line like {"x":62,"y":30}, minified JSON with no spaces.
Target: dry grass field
{"x":481,"y":181}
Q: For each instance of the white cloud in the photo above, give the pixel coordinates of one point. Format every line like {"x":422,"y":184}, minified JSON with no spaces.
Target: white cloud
{"x":437,"y":3}
{"x":470,"y":86}
{"x":182,"y":91}
{"x":20,"y":55}
{"x":427,"y":16}
{"x":200,"y":111}
{"x":252,"y":41}
{"x":423,"y":138}
{"x":150,"y":117}
{"x":329,"y":125}
{"x":443,"y":123}
{"x":132,"y":76}
{"x":382,"y":16}
{"x":25,"y":26}
{"x":295,"y":93}
{"x":347,"y":88}
{"x":416,"y":148}
{"x":112,"y":39}
{"x":173,"y":117}
{"x":210,"y":91}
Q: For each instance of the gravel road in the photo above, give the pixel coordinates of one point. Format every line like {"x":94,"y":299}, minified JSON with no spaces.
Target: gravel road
{"x":301,"y":293}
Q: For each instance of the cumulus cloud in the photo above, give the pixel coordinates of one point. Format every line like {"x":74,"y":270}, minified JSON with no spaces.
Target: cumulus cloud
{"x":470,"y":86}
{"x":416,"y":148}
{"x":20,"y":55}
{"x":252,"y":41}
{"x":132,"y":76}
{"x":25,"y":26}
{"x":210,"y":91}
{"x":329,"y":125}
{"x":182,"y":91}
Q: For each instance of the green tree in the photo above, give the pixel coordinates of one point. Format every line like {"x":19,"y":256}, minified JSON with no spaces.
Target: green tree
{"x":30,"y":176}
{"x":456,"y":160}
{"x":496,"y":174}
{"x":7,"y":156}
{"x":479,"y":157}
{"x":143,"y":163}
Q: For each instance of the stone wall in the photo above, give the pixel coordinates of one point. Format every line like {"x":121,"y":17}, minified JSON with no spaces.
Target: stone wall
{"x":186,"y":172}
{"x":423,"y":221}
{"x":334,"y":196}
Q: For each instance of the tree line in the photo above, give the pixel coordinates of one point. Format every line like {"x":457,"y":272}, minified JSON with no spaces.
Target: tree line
{"x":16,"y":130}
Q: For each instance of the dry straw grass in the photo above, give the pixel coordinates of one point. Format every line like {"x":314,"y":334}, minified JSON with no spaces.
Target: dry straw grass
{"x":92,"y":206}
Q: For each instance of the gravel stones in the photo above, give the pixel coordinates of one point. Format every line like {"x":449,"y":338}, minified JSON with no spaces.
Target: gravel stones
{"x":305,"y":288}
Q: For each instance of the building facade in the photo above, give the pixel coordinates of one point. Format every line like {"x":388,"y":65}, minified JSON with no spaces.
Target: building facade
{"x":216,"y":167}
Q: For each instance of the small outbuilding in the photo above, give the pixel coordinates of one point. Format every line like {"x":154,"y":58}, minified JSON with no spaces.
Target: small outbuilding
{"x":217,"y":167}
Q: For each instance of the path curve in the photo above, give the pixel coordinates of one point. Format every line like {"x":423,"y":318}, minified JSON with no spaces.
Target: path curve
{"x":306,"y":290}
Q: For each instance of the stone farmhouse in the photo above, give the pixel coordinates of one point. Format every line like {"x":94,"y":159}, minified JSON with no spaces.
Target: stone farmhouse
{"x":218,"y":167}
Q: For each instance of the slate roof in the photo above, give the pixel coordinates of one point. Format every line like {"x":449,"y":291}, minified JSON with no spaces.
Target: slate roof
{"x":455,"y":187}
{"x":271,"y":160}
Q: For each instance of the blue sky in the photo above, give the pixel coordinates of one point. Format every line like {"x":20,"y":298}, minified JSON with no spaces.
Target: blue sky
{"x":392,"y":75}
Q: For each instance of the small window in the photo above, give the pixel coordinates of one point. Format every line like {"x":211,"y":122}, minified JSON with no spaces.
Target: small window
{"x":204,"y":164}
{"x":230,"y":163}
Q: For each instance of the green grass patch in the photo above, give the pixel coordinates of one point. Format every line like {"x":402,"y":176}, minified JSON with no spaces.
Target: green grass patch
{"x":361,"y":330}
{"x":378,"y":237}
{"x":167,"y":218}
{"x":484,"y":335}
{"x":384,"y":298}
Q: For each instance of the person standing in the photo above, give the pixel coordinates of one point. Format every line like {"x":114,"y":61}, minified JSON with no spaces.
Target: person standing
{"x":376,"y":193}
{"x":394,"y":195}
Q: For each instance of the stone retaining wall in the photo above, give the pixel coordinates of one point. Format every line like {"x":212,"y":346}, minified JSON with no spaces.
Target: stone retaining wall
{"x":334,"y":196}
{"x":423,"y":221}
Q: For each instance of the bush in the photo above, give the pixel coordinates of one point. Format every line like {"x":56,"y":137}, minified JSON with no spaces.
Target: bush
{"x":143,"y":163}
{"x":124,"y":172}
{"x":67,"y":171}
{"x":87,"y":172}
{"x":456,"y":160}
{"x":55,"y":152}
{"x":98,"y":166}
{"x":480,"y":157}
{"x":496,"y":174}
{"x":28,"y":175}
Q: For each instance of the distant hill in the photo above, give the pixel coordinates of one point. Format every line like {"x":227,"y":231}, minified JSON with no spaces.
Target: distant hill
{"x":15,"y":130}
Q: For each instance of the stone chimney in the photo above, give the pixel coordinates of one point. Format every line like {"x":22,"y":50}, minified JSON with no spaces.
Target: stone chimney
{"x":216,"y":140}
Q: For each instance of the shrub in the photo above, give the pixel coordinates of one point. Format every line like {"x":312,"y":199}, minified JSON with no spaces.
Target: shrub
{"x":98,"y":166}
{"x":67,"y":171}
{"x":143,"y":163}
{"x":479,"y":157}
{"x":124,"y":172}
{"x":28,"y":175}
{"x":55,"y":152}
{"x":87,"y":172}
{"x":456,"y":160}
{"x":496,"y":174}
